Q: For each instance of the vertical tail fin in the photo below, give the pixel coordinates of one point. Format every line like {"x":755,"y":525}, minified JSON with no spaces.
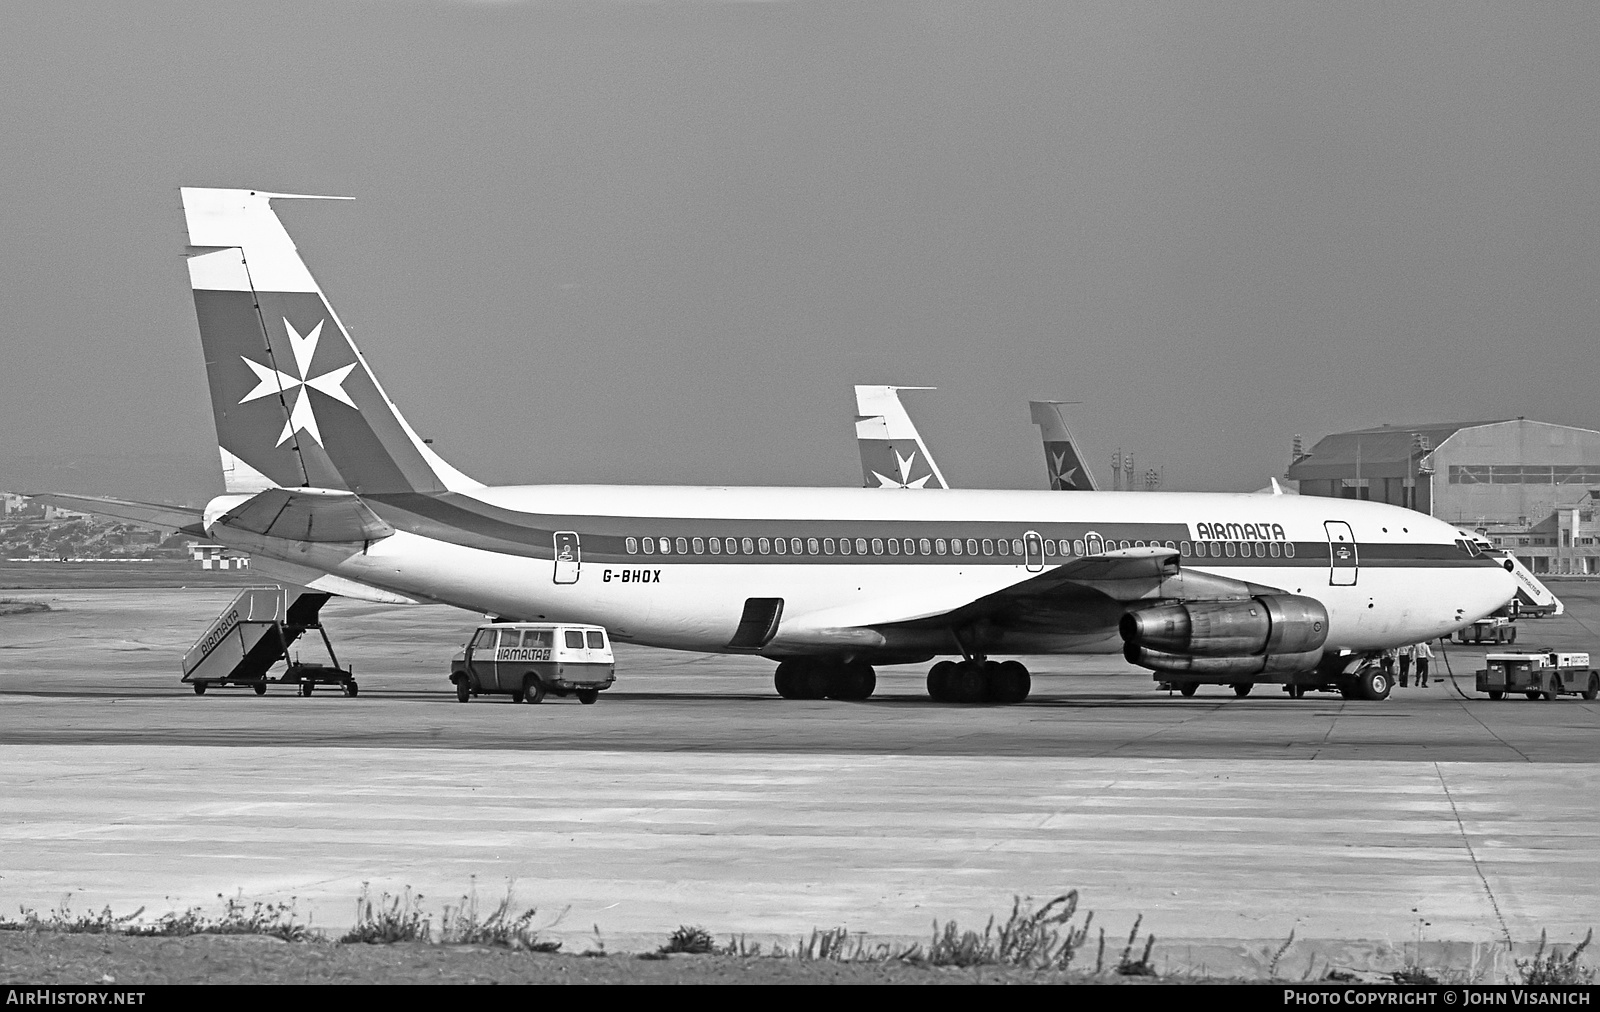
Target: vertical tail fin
{"x":294,"y":400}
{"x":892,"y":451}
{"x":1068,"y":472}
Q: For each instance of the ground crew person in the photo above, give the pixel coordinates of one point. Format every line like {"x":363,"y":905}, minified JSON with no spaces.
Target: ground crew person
{"x":1424,"y":655}
{"x":1386,"y":660}
{"x":1405,"y":654}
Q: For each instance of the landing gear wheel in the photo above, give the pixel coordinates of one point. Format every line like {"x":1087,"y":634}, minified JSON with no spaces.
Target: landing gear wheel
{"x":1593,"y":688}
{"x":1552,"y":693}
{"x":587,"y":696}
{"x":854,"y":681}
{"x":516,"y":695}
{"x":532,"y":689}
{"x":351,"y":689}
{"x":1188,"y":688}
{"x":1296,"y":691}
{"x":1496,"y":694}
{"x":199,"y":688}
{"x":786,"y":680}
{"x":970,"y":681}
{"x":939,"y":681}
{"x":1011,"y":683}
{"x":462,"y":692}
{"x":1533,"y":695}
{"x":261,"y":688}
{"x":1242,"y":689}
{"x":306,"y":688}
{"x":1373,"y":683}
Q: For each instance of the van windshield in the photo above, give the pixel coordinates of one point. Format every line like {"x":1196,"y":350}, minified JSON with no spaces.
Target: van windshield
{"x":484,"y":640}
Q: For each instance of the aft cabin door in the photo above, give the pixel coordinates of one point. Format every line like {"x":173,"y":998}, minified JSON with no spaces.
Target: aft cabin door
{"x":1343,"y":558}
{"x":568,"y":557}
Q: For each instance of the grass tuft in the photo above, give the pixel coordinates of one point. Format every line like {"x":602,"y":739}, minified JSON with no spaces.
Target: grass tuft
{"x":462,"y":924}
{"x":389,"y":919}
{"x":63,"y":920}
{"x":1126,"y":966}
{"x":694,"y":940}
{"x":1040,"y":938}
{"x":1553,"y":969}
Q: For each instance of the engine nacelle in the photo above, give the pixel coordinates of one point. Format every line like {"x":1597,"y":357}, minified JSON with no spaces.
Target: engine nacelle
{"x":1260,"y":664}
{"x":1271,"y":624}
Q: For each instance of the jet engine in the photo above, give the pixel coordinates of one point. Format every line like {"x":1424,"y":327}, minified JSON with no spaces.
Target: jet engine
{"x":1266,"y":634}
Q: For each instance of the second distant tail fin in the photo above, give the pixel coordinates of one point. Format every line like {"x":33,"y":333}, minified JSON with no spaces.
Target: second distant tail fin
{"x":295,"y":402}
{"x":1068,"y":472}
{"x":892,"y":451}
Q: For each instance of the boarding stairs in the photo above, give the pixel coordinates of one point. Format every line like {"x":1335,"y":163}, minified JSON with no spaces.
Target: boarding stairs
{"x":253,"y":634}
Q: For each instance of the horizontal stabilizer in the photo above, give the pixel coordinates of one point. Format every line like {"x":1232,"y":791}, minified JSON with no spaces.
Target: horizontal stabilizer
{"x":307,"y":514}
{"x":184,"y":519}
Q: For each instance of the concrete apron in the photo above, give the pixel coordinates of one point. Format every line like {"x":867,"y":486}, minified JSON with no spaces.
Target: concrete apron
{"x":1373,"y":865}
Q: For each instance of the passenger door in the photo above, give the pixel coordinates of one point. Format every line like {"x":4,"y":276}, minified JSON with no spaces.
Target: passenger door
{"x":569,"y":557}
{"x":1343,"y":556}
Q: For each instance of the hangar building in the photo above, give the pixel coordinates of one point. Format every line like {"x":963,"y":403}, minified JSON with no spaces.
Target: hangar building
{"x":1526,"y":485}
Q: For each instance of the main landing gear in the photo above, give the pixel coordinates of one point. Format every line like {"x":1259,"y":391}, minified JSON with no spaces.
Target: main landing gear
{"x":979,"y":681}
{"x":825,"y":679}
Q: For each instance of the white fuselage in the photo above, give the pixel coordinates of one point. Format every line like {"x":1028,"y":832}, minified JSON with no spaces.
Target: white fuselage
{"x":1409,"y":582}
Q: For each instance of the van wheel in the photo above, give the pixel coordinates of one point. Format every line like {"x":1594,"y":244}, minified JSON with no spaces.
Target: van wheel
{"x":1188,"y":688}
{"x":1533,"y":695}
{"x":532,"y":690}
{"x":1496,"y":694}
{"x":462,"y":692}
{"x":1593,"y":688}
{"x":1242,"y":689}
{"x":200,"y":689}
{"x":588,"y":696}
{"x":351,"y":689}
{"x":261,"y":688}
{"x":516,"y":695}
{"x":306,"y":688}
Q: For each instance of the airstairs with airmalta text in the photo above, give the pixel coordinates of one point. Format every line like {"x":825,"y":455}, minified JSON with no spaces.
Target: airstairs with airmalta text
{"x":253,"y":634}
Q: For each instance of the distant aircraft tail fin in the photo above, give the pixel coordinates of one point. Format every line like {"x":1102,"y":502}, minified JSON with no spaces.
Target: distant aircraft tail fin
{"x":295,"y":402}
{"x":1068,"y":472}
{"x":892,"y":452}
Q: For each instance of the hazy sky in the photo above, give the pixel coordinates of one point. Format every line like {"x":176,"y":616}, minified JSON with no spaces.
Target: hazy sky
{"x":659,"y":242}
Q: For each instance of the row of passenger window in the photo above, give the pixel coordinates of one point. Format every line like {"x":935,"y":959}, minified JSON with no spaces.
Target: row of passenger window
{"x":940,"y":546}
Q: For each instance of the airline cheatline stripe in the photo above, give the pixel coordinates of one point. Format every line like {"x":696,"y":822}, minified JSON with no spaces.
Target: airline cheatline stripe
{"x":461,"y":520}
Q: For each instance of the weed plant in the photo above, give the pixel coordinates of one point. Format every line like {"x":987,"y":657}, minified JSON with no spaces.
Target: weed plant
{"x":389,"y":919}
{"x":462,"y":925}
{"x":1552,"y":969}
{"x":695,"y":940}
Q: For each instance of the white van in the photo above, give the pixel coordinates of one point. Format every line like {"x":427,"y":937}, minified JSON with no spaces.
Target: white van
{"x":527,"y":660}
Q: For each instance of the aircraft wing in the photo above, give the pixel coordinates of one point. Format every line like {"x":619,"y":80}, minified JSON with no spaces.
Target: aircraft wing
{"x":307,"y":514}
{"x":184,"y":519}
{"x":1086,"y":594}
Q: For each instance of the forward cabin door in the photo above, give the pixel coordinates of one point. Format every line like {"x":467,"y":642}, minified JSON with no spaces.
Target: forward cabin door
{"x":1343,"y":557}
{"x":568,"y":556}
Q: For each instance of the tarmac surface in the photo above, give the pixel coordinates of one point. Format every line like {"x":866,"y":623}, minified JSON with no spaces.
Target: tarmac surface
{"x":692,"y":794}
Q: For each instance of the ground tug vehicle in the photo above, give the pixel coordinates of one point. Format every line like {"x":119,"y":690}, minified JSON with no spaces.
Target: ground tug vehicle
{"x":1538,"y":675}
{"x":528,"y":660}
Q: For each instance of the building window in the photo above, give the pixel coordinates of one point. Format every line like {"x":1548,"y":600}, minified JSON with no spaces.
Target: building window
{"x":632,"y":545}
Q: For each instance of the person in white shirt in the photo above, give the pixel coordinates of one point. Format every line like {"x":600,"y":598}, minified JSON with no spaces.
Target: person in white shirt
{"x":1424,"y":654}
